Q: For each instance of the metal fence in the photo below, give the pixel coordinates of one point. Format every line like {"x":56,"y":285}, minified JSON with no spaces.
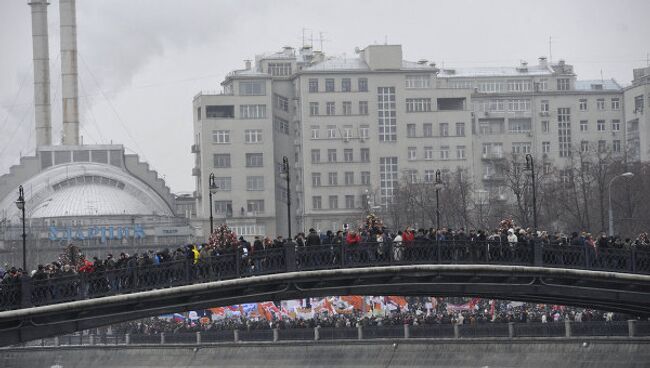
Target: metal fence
{"x":26,"y":292}
{"x":632,"y":329}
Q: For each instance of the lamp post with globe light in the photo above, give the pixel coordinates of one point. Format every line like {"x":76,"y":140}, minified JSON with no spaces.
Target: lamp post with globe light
{"x":438,"y":185}
{"x":20,"y":203}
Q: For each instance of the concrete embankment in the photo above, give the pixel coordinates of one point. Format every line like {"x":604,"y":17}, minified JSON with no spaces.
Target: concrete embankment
{"x":546,"y":353}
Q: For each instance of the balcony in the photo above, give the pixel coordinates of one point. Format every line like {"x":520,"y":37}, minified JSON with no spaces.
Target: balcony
{"x":492,"y":156}
{"x":196,"y":148}
{"x":196,"y":171}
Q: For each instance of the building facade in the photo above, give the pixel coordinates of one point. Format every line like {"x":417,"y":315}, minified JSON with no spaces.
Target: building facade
{"x":354,"y":128}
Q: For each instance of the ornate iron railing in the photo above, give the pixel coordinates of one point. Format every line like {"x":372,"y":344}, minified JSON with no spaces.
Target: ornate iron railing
{"x":19,"y":293}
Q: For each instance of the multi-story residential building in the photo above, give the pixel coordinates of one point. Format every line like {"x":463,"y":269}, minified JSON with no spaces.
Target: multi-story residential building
{"x":354,"y":128}
{"x":542,"y":110}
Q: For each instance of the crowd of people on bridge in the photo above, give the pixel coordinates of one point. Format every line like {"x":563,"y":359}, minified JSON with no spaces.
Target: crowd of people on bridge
{"x":416,"y":314}
{"x":384,"y":244}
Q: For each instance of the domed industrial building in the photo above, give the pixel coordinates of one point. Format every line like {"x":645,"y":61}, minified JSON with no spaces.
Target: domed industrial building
{"x":96,"y":197}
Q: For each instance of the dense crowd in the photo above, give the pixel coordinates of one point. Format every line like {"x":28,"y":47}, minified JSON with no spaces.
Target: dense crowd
{"x":485,"y":311}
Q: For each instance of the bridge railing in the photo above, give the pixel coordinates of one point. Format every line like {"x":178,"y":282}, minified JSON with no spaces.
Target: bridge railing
{"x":617,"y":329}
{"x":26,"y":292}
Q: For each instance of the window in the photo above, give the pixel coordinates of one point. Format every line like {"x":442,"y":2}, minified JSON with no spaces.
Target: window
{"x":584,"y":125}
{"x":347,"y":108}
{"x":545,"y":126}
{"x":331,"y":131}
{"x":331,"y":155}
{"x":334,"y":202}
{"x":583,"y":104}
{"x":600,"y":124}
{"x":523,"y":148}
{"x":281,"y":102}
{"x":349,"y":178}
{"x":386,"y":112}
{"x":418,"y":81}
{"x":253,"y":135}
{"x":221,"y":160}
{"x":252,"y":88}
{"x":444,"y":129}
{"x":543,"y":84}
{"x":279,"y":69}
{"x":428,"y":153}
{"x":460,"y":152}
{"x":388,"y":178}
{"x":315,"y":132}
{"x":545,"y":106}
{"x":330,"y":108}
{"x":224,"y":183}
{"x":316,"y":202}
{"x":429,"y":175}
{"x":315,"y":156}
{"x":365,"y":155}
{"x":546,"y":147}
{"x":410,"y":130}
{"x":616,"y":104}
{"x":491,"y":86}
{"x":315,"y":180}
{"x":584,"y":146}
{"x":427,"y":130}
{"x":198,"y":113}
{"x":347,"y":132}
{"x":254,"y":160}
{"x":519,"y":105}
{"x":255,"y":205}
{"x":444,"y":152}
{"x":365,"y":177}
{"x":602,"y":146}
{"x":564,"y":131}
{"x":600,"y":104}
{"x":255,"y":183}
{"x":329,"y":85}
{"x":638,"y":103}
{"x":252,"y":111}
{"x":313,"y":109}
{"x":412,"y":153}
{"x":313,"y":85}
{"x":616,"y":125}
{"x":364,"y":131}
{"x":346,"y":85}
{"x":411,"y":176}
{"x":616,"y":146}
{"x":349,"y":201}
{"x":418,"y":104}
{"x":333,"y":178}
{"x":363,"y":107}
{"x":221,"y":136}
{"x":348,"y":155}
{"x":363,"y":84}
{"x":460,"y":129}
{"x":223,"y":208}
{"x":563,"y":84}
{"x":281,"y":125}
{"x":518,"y":85}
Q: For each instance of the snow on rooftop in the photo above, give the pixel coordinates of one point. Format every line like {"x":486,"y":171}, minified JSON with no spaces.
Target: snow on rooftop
{"x":357,"y":63}
{"x":498,"y":71}
{"x":597,"y":85}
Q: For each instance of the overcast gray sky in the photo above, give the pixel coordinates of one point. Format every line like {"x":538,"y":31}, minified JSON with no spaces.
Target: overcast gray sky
{"x":141,"y":62}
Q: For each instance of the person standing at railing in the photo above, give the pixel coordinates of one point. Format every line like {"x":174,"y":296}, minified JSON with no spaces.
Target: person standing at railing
{"x":312,"y":238}
{"x":397,"y":247}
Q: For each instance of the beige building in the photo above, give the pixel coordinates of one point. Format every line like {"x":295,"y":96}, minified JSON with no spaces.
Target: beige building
{"x":353,"y":127}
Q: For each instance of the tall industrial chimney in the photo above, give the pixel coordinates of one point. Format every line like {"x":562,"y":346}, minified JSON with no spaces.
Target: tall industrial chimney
{"x":67,"y":12}
{"x":40,"y":47}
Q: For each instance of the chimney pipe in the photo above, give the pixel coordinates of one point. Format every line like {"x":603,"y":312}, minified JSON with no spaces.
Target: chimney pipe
{"x":247,"y":64}
{"x":67,"y":12}
{"x":41,"y":55}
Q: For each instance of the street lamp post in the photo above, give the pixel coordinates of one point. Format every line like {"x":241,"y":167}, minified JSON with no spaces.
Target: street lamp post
{"x":212,"y":186}
{"x":609,"y":195}
{"x":530,"y":165}
{"x":287,"y":175}
{"x":20,"y":203}
{"x":438,"y":186}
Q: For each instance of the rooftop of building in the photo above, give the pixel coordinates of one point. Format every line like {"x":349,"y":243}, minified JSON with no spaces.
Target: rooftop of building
{"x":597,"y":85}
{"x":344,"y":63}
{"x":496,"y":71}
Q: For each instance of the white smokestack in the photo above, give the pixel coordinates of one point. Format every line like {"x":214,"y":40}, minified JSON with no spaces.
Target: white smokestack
{"x":40,"y":47}
{"x":67,"y":13}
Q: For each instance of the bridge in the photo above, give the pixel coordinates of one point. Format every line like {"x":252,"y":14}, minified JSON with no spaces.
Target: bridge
{"x":608,"y":279}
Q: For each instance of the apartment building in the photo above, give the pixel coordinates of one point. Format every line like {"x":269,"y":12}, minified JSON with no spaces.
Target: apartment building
{"x":353,"y":128}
